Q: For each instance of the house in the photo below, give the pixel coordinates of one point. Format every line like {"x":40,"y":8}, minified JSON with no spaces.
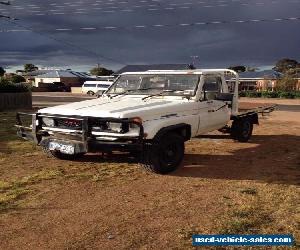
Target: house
{"x":261,"y":80}
{"x":138,"y":68}
{"x":68,"y":77}
{"x":30,"y":76}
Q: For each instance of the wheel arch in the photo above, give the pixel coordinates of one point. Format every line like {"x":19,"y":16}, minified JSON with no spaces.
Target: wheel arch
{"x":181,"y":129}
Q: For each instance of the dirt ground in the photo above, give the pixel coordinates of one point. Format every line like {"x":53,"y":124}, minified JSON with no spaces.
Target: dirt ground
{"x":110,"y":203}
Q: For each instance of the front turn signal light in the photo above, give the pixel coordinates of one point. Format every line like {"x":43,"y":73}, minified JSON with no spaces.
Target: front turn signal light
{"x":137,"y":120}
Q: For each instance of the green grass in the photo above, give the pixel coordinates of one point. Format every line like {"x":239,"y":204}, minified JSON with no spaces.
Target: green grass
{"x":246,"y":220}
{"x":7,"y":130}
{"x":10,"y":142}
{"x":10,"y":198}
{"x":12,"y":192}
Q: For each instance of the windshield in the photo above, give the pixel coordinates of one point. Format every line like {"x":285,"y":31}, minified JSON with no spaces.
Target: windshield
{"x":169,"y":84}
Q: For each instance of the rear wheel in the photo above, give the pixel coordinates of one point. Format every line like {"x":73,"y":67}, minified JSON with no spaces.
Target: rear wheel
{"x":61,"y":156}
{"x":165,"y":155}
{"x":90,"y":92}
{"x":241,"y":130}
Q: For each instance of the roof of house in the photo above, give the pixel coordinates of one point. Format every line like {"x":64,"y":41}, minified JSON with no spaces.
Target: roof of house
{"x":63,"y":74}
{"x":35,"y":73}
{"x":266,"y":74}
{"x":139,"y":68}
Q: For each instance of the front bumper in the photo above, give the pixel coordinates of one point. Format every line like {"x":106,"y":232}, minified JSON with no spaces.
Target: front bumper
{"x":83,"y":140}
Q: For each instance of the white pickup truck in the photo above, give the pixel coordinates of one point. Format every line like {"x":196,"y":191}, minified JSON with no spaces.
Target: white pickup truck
{"x":150,"y":114}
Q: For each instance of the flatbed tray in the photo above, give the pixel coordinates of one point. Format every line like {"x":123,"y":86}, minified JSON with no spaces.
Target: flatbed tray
{"x":246,"y":108}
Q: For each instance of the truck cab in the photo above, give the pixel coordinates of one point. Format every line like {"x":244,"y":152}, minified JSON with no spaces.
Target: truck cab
{"x":150,"y":114}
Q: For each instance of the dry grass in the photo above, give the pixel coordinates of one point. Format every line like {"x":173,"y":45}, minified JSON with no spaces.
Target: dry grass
{"x":225,"y":187}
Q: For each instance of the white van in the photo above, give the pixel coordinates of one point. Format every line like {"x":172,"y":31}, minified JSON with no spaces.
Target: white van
{"x":92,"y":87}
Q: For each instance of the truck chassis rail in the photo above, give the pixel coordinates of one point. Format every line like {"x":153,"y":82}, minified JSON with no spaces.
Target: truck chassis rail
{"x":264,"y":110}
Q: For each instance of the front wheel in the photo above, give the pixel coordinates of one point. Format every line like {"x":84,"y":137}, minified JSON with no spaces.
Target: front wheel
{"x":241,"y":130}
{"x":164,"y":155}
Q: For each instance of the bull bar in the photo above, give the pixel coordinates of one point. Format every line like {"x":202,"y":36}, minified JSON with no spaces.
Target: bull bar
{"x":83,"y":139}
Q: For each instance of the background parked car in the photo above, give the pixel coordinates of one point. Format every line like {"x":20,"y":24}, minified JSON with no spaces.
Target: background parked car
{"x":59,"y":87}
{"x":93,"y":87}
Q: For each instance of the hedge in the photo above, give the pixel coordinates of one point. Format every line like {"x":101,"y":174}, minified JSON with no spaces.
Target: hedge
{"x":269,"y":94}
{"x":7,"y":87}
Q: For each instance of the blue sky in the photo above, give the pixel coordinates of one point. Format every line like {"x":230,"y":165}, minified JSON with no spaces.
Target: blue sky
{"x":79,"y":34}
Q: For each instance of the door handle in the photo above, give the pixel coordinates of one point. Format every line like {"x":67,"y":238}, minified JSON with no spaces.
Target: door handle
{"x":215,"y":110}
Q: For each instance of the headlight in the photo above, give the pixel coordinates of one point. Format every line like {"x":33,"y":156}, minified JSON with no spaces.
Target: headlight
{"x":115,"y":126}
{"x":111,"y":127}
{"x":49,"y":122}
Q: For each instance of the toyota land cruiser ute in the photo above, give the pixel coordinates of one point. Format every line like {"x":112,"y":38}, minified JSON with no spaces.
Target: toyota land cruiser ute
{"x":149,"y":114}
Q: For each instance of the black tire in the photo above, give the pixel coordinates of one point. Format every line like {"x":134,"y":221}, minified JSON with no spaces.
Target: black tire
{"x":241,"y":130}
{"x":164,"y":155}
{"x":61,"y":156}
{"x":91,"y":93}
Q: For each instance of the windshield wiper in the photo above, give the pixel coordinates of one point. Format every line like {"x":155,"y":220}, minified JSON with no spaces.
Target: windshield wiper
{"x":162,"y":92}
{"x":128,"y":91}
{"x":122,"y":93}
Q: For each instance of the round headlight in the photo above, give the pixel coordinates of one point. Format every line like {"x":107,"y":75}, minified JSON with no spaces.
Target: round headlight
{"x":115,"y":126}
{"x":49,"y":122}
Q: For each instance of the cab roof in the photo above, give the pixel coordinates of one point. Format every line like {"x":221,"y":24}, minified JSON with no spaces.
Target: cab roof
{"x":187,"y":72}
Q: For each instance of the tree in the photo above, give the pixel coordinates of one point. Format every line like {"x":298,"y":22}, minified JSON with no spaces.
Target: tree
{"x":100,"y":71}
{"x":285,"y":65}
{"x":2,"y":71}
{"x":238,"y":69}
{"x":3,"y":81}
{"x":30,"y":67}
{"x":286,"y":83}
{"x":15,"y":78}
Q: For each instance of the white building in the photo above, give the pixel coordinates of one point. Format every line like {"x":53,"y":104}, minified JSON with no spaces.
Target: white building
{"x":68,"y":77}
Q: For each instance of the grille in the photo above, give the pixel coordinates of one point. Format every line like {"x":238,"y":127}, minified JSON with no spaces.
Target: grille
{"x":68,"y":124}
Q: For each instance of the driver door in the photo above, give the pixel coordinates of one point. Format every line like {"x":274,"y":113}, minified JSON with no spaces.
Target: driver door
{"x":214,"y":114}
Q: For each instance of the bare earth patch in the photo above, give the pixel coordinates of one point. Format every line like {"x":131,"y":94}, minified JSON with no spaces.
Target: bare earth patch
{"x":109,"y":202}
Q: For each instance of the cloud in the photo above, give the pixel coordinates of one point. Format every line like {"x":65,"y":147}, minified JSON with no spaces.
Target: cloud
{"x":217,"y":45}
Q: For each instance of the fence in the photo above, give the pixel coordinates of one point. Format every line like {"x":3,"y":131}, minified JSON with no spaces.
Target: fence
{"x":9,"y":101}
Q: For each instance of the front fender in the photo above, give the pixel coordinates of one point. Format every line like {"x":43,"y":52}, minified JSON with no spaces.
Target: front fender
{"x":152,"y":128}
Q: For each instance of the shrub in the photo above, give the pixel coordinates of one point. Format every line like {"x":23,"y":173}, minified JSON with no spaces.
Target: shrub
{"x":270,"y":94}
{"x":17,"y":79}
{"x":8,"y":87}
{"x":252,"y":94}
{"x":242,"y":94}
{"x":287,"y":95}
{"x":297,"y":94}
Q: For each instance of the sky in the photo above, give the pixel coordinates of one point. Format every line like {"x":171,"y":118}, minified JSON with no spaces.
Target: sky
{"x":80,"y":34}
